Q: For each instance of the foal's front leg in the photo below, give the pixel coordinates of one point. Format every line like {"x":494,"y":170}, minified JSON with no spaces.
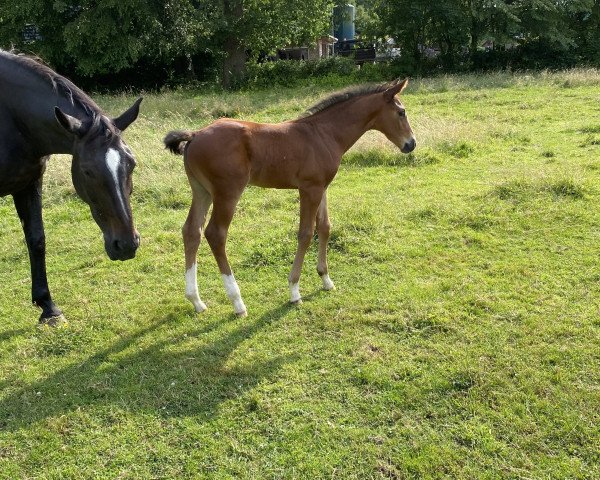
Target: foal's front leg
{"x":323,"y":230}
{"x":28,"y":203}
{"x":309,"y":203}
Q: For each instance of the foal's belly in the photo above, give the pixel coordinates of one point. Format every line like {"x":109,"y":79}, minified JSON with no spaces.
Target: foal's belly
{"x":273,"y":176}
{"x":272,"y":183}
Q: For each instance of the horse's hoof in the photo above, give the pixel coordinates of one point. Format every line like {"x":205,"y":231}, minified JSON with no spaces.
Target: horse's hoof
{"x":201,"y":307}
{"x":296,"y":302}
{"x":56,"y":321}
{"x":242,"y":314}
{"x":327,"y":283}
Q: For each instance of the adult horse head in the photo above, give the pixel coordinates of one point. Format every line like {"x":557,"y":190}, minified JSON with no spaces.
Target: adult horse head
{"x":43,"y":113}
{"x":101,"y":170}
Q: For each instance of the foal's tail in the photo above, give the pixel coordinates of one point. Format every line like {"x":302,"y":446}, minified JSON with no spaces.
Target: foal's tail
{"x":176,"y":141}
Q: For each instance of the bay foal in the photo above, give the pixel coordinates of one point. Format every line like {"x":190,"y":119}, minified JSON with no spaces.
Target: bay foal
{"x":226,"y":156}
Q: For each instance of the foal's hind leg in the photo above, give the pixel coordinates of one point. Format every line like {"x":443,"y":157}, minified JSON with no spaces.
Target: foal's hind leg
{"x":216,"y":236}
{"x":323,"y":229}
{"x":192,"y":233}
{"x":309,"y":204}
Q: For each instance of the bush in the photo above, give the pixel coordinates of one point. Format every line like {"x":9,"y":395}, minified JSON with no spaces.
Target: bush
{"x":294,"y":72}
{"x":337,"y":71}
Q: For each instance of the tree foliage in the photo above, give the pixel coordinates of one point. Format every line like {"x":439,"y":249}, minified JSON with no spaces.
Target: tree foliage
{"x":112,"y":35}
{"x":129,"y":38}
{"x":534,"y":31}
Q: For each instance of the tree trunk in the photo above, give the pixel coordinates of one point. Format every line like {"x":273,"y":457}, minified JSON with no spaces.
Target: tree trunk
{"x":235,"y":55}
{"x":473,"y":33}
{"x":234,"y":63}
{"x":474,"y":43}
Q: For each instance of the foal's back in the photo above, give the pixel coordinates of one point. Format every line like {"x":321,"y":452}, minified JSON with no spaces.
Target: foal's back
{"x":281,"y":155}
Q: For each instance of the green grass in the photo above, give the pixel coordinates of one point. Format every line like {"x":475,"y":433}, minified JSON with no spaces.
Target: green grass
{"x":462,"y":340}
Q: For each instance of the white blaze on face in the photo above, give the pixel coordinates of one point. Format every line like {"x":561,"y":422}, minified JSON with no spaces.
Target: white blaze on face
{"x":113,"y":160}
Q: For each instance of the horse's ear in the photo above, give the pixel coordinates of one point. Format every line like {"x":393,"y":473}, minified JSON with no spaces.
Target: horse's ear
{"x":394,"y":89}
{"x":69,"y":123}
{"x":127,"y":118}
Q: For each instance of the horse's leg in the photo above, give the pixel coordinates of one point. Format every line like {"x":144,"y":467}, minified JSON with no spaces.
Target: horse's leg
{"x":216,"y":236}
{"x":323,"y":229}
{"x":28,"y":203}
{"x":192,"y":233}
{"x":309,"y":204}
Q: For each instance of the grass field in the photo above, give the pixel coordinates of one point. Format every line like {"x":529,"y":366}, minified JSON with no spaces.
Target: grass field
{"x":463,"y":340}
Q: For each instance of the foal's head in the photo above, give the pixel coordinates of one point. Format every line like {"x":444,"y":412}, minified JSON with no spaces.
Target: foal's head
{"x":101,"y":170}
{"x":391,"y":119}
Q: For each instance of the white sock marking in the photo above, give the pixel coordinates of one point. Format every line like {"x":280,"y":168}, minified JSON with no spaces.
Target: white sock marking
{"x":234,"y":294}
{"x":191,"y":289}
{"x":295,"y":292}
{"x":113,"y":160}
{"x":327,"y":282}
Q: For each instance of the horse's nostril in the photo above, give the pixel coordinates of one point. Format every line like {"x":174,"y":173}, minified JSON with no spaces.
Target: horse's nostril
{"x":409,"y":146}
{"x":117,"y":245}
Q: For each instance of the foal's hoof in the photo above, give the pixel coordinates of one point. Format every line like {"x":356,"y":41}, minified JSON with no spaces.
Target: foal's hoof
{"x":56,"y":321}
{"x":200,"y":307}
{"x":327,"y":283}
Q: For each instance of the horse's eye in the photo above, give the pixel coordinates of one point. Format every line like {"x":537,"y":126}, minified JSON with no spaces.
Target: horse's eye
{"x":88,"y":173}
{"x":402,"y":113}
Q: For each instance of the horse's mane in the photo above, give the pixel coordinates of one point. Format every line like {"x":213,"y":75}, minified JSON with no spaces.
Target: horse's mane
{"x":343,"y":95}
{"x":59,"y":84}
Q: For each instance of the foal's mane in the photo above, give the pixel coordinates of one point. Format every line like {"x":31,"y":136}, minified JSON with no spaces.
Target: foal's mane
{"x":343,"y":95}
{"x":59,"y":84}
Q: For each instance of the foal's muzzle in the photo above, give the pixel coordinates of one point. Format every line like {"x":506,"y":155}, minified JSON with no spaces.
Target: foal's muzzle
{"x":122,"y":248}
{"x":409,"y":146}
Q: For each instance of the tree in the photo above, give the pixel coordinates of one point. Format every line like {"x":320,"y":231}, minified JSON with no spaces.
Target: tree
{"x":103,"y":37}
{"x":248,"y":27}
{"x":108,"y":36}
{"x":587,"y":26}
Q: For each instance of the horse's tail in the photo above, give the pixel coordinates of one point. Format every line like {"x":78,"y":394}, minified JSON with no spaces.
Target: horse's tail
{"x":176,"y":141}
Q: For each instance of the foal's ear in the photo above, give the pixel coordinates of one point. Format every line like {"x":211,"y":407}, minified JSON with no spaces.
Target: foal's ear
{"x":69,"y":123}
{"x":394,"y":89}
{"x":127,"y":118}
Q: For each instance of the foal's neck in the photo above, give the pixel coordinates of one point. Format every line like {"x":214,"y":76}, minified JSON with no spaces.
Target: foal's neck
{"x":347,"y":121}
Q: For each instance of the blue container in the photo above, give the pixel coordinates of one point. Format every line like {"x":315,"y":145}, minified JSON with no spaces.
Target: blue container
{"x":343,"y":22}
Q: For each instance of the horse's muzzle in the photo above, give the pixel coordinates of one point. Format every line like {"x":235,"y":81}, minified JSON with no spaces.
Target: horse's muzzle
{"x":122,"y":249}
{"x":409,"y":146}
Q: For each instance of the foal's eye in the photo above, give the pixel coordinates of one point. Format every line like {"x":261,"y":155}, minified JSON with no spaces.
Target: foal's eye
{"x":88,"y":173}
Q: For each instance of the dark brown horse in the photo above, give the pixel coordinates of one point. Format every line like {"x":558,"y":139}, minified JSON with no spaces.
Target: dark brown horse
{"x":304,"y":154}
{"x":42,"y":113}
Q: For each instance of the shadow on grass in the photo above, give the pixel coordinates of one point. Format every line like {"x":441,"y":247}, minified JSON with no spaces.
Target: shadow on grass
{"x":8,"y":334}
{"x":166,"y":377}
